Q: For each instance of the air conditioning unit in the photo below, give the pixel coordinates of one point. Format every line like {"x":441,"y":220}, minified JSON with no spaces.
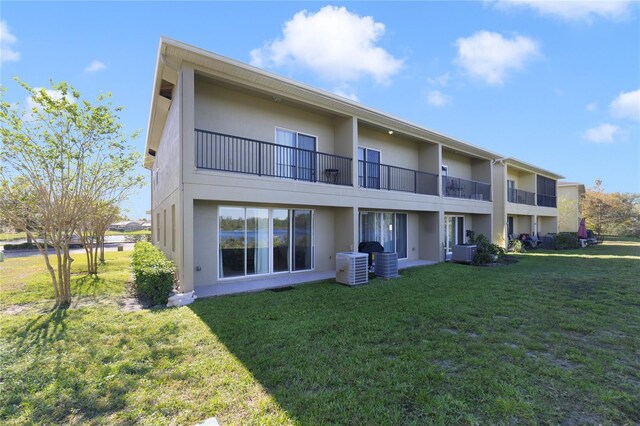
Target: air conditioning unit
{"x":464,"y":253}
{"x":386,"y":265}
{"x":351,"y":268}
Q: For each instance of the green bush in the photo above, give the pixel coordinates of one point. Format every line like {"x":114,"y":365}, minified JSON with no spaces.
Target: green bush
{"x":567,"y":240}
{"x":486,"y":252}
{"x":154,"y":273}
{"x":21,"y":246}
{"x":517,"y":247}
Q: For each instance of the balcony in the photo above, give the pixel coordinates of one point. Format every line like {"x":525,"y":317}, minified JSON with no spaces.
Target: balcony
{"x":217,"y":151}
{"x":546,"y":200}
{"x":391,"y":178}
{"x":462,"y":188}
{"x":519,"y":196}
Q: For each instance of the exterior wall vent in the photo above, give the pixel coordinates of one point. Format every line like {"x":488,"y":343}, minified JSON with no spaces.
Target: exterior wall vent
{"x":166,"y":89}
{"x":152,"y":152}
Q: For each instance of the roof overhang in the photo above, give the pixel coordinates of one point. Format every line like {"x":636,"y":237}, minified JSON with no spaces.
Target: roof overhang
{"x":172,"y":54}
{"x":531,"y":168}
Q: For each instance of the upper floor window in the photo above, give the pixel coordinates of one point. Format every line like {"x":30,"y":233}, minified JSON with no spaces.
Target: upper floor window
{"x":368,"y":167}
{"x":546,"y":192}
{"x":296,"y":158}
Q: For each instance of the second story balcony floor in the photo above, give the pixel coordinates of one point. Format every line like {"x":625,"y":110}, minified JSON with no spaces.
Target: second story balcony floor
{"x":463,"y":188}
{"x":217,"y":151}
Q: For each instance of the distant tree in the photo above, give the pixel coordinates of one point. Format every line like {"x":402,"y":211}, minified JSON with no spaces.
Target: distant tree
{"x":92,"y":230}
{"x":611,"y":213}
{"x":57,"y":159}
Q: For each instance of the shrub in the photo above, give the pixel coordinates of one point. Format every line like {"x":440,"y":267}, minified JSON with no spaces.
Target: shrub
{"x":567,"y":240}
{"x":517,"y":246}
{"x":21,"y":246}
{"x":154,"y":273}
{"x":486,"y":252}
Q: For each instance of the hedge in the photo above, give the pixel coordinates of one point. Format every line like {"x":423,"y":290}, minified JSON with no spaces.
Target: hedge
{"x":567,"y":240}
{"x":20,"y":246}
{"x":154,"y":273}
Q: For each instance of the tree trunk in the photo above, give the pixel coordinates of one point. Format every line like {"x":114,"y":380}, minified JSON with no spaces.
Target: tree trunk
{"x":102,"y":249}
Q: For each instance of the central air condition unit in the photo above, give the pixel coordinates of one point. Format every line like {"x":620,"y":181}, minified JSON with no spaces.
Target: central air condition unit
{"x":464,"y":253}
{"x":351,"y":268}
{"x":386,"y":265}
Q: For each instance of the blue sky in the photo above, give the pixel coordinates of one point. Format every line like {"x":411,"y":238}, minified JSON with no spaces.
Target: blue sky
{"x":554,"y":84}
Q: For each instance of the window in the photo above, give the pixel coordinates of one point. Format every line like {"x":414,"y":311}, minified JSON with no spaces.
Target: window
{"x":295,"y":158}
{"x":173,"y":227}
{"x":453,"y":231}
{"x":511,"y":191}
{"x":259,"y":241}
{"x":164,"y":227}
{"x":368,"y":168}
{"x":445,"y":170}
{"x":387,"y":228}
{"x":546,"y":192}
{"x":158,"y":228}
{"x":510,"y":230}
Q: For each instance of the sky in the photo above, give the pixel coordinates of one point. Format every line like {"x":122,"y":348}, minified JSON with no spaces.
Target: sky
{"x":555,"y":84}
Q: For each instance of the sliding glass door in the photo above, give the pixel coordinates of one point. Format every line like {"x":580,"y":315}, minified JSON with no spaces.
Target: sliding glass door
{"x":387,"y":228}
{"x":257,"y":241}
{"x":453,"y":231}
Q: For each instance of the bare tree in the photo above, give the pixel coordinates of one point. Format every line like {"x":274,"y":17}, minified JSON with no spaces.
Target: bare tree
{"x":55,"y":162}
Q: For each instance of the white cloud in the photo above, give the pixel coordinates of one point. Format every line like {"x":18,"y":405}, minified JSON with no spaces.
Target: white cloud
{"x":95,"y":66}
{"x":7,"y":40}
{"x":441,"y":80}
{"x":333,"y":42}
{"x":592,"y":107}
{"x":626,"y":105}
{"x":437,"y":98}
{"x":490,"y":57}
{"x":573,"y":10}
{"x":604,"y":133}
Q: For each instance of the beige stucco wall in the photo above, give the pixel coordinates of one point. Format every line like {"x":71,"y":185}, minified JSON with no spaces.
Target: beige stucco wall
{"x":568,"y":208}
{"x":458,"y":165}
{"x":525,"y":181}
{"x":394,"y":150}
{"x":224,"y":110}
{"x":166,"y":193}
{"x":547,"y":224}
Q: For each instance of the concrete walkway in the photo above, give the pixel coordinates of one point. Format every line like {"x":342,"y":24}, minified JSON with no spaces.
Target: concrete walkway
{"x":283,"y":280}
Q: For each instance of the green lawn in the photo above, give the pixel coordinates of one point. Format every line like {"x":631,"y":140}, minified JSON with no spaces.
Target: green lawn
{"x":551,"y":339}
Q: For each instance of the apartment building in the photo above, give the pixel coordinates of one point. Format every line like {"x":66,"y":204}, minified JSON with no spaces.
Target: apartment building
{"x":260,"y":179}
{"x":525,"y":200}
{"x":569,"y":196}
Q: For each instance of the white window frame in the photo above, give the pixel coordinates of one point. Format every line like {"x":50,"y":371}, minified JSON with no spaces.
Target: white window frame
{"x":290,"y":249}
{"x":406,"y":237}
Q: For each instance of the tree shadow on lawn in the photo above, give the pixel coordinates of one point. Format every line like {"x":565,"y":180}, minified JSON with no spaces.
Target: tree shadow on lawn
{"x":386,"y":352}
{"x":55,"y":378}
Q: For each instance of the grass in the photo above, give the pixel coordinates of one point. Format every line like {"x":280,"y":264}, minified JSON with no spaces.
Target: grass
{"x":550,"y":339}
{"x":25,"y":280}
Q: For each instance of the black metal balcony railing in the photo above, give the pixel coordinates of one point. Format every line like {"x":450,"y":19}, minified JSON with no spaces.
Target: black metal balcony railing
{"x":520,"y":196}
{"x":217,"y":151}
{"x":391,"y":178}
{"x":462,"y":188}
{"x":546,"y":200}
